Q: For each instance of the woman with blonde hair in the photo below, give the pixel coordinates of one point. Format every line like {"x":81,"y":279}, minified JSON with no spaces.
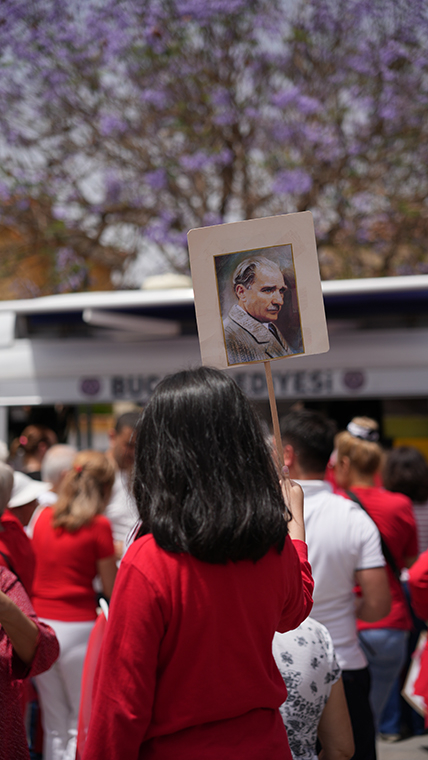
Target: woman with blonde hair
{"x":73,"y":543}
{"x":359,"y":457}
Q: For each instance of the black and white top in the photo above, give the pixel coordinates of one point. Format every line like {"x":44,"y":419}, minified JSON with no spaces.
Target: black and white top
{"x":307,"y":663}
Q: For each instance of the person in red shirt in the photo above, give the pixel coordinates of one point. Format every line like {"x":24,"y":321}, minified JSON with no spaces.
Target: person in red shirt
{"x":16,"y":552}
{"x":418,"y":587}
{"x":27,"y":647}
{"x":359,"y":456}
{"x":73,"y":544}
{"x":186,"y":667}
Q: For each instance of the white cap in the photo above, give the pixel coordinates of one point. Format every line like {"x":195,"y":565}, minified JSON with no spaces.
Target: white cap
{"x":25,"y":490}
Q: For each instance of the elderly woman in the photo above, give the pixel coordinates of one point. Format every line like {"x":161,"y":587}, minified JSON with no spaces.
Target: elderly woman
{"x":27,"y":648}
{"x":16,"y":552}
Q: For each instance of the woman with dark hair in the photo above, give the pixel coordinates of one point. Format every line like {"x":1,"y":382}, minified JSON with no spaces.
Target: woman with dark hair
{"x":186,"y":667}
{"x":30,"y":448}
{"x":406,"y":471}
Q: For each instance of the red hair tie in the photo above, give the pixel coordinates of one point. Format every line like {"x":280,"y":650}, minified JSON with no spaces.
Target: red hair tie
{"x":78,"y":468}
{"x":23,"y":440}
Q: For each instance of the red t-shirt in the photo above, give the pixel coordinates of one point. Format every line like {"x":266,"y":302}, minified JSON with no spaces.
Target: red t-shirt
{"x":393,"y":515}
{"x":66,"y":565}
{"x":16,"y":545}
{"x":418,"y":585}
{"x":186,"y":668}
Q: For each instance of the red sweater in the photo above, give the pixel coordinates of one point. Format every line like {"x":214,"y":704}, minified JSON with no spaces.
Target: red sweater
{"x":186,"y":669}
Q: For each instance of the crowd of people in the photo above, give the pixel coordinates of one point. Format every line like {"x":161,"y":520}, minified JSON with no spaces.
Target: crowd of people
{"x":256,"y":611}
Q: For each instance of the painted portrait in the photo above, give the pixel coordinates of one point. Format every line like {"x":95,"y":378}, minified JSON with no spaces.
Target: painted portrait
{"x":259,"y":304}
{"x":257,"y":289}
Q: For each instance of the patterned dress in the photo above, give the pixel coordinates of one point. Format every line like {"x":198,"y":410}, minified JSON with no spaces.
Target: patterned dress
{"x":306,"y":660}
{"x":13,"y":742}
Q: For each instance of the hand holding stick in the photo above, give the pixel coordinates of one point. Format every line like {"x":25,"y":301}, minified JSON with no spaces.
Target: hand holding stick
{"x":293,"y":494}
{"x":293,"y":497}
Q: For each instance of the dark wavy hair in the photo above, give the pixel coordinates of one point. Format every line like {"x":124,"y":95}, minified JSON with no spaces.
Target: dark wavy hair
{"x":406,"y":471}
{"x":204,"y":479}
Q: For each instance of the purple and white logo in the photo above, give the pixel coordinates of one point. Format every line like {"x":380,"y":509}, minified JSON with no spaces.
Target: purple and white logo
{"x":90,"y":386}
{"x":354,"y":380}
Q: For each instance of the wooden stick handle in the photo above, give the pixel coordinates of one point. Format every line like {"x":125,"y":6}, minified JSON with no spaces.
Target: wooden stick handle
{"x":274,"y":413}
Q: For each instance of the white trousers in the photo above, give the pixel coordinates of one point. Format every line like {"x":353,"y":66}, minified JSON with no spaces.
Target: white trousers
{"x":59,"y":690}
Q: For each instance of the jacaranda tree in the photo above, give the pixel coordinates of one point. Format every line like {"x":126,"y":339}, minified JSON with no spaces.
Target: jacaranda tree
{"x":124,"y":123}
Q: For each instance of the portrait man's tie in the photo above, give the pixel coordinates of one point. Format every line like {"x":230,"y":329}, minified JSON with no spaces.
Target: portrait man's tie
{"x":274,"y":332}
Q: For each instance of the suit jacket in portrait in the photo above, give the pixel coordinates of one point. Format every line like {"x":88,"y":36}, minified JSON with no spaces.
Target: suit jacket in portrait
{"x":248,"y":340}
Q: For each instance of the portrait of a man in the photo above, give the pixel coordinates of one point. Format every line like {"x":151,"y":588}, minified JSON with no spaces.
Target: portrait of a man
{"x":252,"y":325}
{"x":257,"y":291}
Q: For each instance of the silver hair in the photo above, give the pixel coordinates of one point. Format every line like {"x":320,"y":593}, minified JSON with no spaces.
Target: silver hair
{"x":6,"y":485}
{"x":57,"y":460}
{"x":245,"y":272}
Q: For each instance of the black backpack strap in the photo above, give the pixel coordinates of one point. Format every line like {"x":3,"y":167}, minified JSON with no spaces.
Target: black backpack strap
{"x":385,"y":548}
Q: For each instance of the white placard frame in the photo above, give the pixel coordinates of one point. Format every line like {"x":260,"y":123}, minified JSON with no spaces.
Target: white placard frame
{"x":205,"y":243}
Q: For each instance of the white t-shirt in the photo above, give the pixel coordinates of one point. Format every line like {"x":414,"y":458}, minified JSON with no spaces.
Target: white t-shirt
{"x":121,"y":510}
{"x":306,"y":660}
{"x":341,"y":539}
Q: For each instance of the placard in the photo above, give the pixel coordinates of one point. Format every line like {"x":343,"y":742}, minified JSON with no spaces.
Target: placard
{"x":257,"y":290}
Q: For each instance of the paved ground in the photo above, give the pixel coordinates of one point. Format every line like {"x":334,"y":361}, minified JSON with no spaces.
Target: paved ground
{"x":415,"y":748}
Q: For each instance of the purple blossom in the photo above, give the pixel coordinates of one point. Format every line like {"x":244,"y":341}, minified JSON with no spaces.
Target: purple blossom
{"x":113,"y":187}
{"x":65,"y":257}
{"x":389,"y":111}
{"x":317,"y":96}
{"x":71,"y":270}
{"x":286,"y":97}
{"x":225,"y":118}
{"x":223,"y":158}
{"x":197,"y":162}
{"x":110,"y":124}
{"x":4,"y":192}
{"x":307,"y":105}
{"x":211,"y":218}
{"x":156,"y":179}
{"x":292,"y":181}
{"x":221,"y":97}
{"x":155,"y":98}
